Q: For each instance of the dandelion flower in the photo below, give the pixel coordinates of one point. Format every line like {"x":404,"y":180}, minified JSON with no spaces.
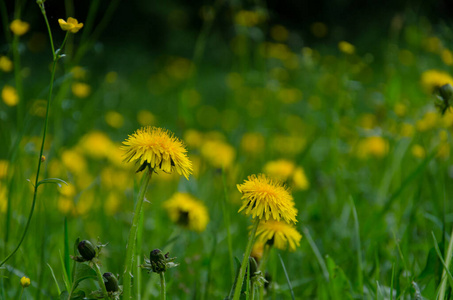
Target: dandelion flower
{"x":159,"y":149}
{"x":71,"y":25}
{"x":19,"y":27}
{"x":279,"y":234}
{"x":266,"y":198}
{"x":9,"y":95}
{"x":25,"y":282}
{"x":187,"y":211}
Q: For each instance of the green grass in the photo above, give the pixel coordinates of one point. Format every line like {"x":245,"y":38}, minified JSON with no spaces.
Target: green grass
{"x":374,"y":226}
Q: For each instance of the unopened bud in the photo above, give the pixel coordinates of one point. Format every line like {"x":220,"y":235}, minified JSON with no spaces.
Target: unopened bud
{"x":86,"y":250}
{"x":25,"y":282}
{"x":111,"y":282}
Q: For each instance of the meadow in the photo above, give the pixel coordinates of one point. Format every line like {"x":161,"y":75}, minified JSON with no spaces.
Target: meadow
{"x":355,"y":145}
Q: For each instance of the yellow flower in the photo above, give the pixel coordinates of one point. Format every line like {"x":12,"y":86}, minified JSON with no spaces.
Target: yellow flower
{"x":80,"y":89}
{"x":71,"y":25}
{"x":4,"y":165}
{"x":9,"y":95}
{"x":114,"y":119}
{"x":25,"y":282}
{"x":252,"y":142}
{"x":278,"y":234}
{"x":96,"y":144}
{"x":187,"y":211}
{"x":158,"y":148}
{"x":19,"y":27}
{"x":373,"y":146}
{"x":346,"y":47}
{"x":418,"y":151}
{"x":265,"y":198}
{"x":300,"y":180}
{"x":6,"y":65}
{"x":281,"y":169}
{"x":218,"y":153}
{"x":146,"y":118}
{"x":432,"y":79}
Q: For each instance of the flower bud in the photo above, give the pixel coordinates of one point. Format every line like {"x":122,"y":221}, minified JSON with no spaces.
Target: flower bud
{"x":111,"y":282}
{"x":25,"y":282}
{"x":158,"y":261}
{"x":43,"y":158}
{"x":86,"y":250}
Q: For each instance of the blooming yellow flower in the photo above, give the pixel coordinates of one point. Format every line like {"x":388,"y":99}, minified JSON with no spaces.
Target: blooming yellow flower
{"x":9,"y":95}
{"x":279,"y":234}
{"x":265,"y":198}
{"x":25,"y":282}
{"x":71,"y":25}
{"x":19,"y":27}
{"x":187,"y":211}
{"x":6,"y":65}
{"x":159,"y":149}
{"x":433,"y":79}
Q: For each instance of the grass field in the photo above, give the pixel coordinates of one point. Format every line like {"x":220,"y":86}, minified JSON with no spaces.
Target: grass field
{"x":352,"y":133}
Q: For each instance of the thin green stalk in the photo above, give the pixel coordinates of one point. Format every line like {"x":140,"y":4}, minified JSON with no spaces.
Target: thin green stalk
{"x":101,"y":281}
{"x":226,"y":217}
{"x":262,"y":267}
{"x":18,"y":82}
{"x":449,"y":254}
{"x":21,"y":292}
{"x":248,"y":249}
{"x":162,"y":286}
{"x":129,"y":264}
{"x":49,"y":98}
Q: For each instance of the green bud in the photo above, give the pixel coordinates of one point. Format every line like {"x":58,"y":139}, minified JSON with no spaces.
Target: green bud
{"x":158,"y":261}
{"x":253,"y":266}
{"x":111,"y":282}
{"x":446,"y":92}
{"x":86,"y":250}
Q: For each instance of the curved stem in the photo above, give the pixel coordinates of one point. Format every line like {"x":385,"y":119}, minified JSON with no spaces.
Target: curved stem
{"x":35,"y":191}
{"x":101,"y":281}
{"x":245,"y":260}
{"x":162,"y":286}
{"x":129,"y":265}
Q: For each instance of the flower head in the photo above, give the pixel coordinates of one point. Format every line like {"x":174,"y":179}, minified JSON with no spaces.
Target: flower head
{"x":283,"y":236}
{"x":71,"y":25}
{"x":266,"y":198}
{"x":159,"y":262}
{"x":25,"y":282}
{"x":187,"y":211}
{"x":158,"y":149}
{"x":19,"y":27}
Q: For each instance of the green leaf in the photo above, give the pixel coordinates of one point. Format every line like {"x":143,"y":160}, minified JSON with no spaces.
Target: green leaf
{"x":83,"y":271}
{"x":339,"y":283}
{"x":54,"y":278}
{"x":56,"y":181}
{"x":77,"y":295}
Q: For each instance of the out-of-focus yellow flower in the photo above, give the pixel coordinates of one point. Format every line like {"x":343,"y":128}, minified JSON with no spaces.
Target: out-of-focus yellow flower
{"x":407,"y":130}
{"x":112,"y":178}
{"x":400,"y":109}
{"x":252,"y":142}
{"x":114,"y":119}
{"x":429,"y":121}
{"x":187,"y":211}
{"x":279,"y":33}
{"x":9,"y":95}
{"x":71,"y":25}
{"x":433,"y":79}
{"x":74,"y":161}
{"x":159,"y":149}
{"x":418,"y":151}
{"x":85,"y":203}
{"x":65,"y":205}
{"x":193,"y":138}
{"x":78,"y":72}
{"x":6,"y":65}
{"x":443,"y":150}
{"x":290,"y":145}
{"x":447,"y":120}
{"x":291,"y":95}
{"x":146,"y":118}
{"x":80,"y":89}
{"x":68,"y":190}
{"x":447,"y":57}
{"x":3,"y":198}
{"x":257,"y":251}
{"x":25,"y":282}
{"x":218,"y":153}
{"x":19,"y":27}
{"x":432,"y":44}
{"x":111,"y":77}
{"x":4,"y":165}
{"x":279,"y":234}
{"x":112,"y":204}
{"x":368,"y":121}
{"x":372,"y":146}
{"x":319,"y":29}
{"x":96,"y":144}
{"x":248,"y":18}
{"x":265,"y":198}
{"x":180,"y":68}
{"x":300,"y":180}
{"x":346,"y":47}
{"x":281,"y":169}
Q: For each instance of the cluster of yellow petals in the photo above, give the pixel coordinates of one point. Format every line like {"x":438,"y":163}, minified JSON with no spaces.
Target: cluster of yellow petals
{"x":158,"y":148}
{"x":71,"y":25}
{"x":266,"y":198}
{"x":187,"y":211}
{"x":280,"y":234}
{"x":19,"y":27}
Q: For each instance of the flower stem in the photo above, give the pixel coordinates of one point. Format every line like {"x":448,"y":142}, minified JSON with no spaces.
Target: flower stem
{"x":162,"y":286}
{"x":129,"y":264}
{"x":262,"y":267}
{"x":245,"y":260}
{"x":36,"y":185}
{"x":21,"y":292}
{"x":101,"y":281}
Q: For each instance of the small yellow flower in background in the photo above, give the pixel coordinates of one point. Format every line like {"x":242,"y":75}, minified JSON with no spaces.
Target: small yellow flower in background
{"x":3,"y":198}
{"x":146,"y":118}
{"x":279,"y":234}
{"x":187,"y":211}
{"x":4,"y":165}
{"x":112,"y":204}
{"x":111,"y":77}
{"x":96,"y":144}
{"x":9,"y":95}
{"x":447,"y":57}
{"x":433,"y":79}
{"x":25,"y":282}
{"x":418,"y":151}
{"x":71,"y":25}
{"x":368,"y":121}
{"x":114,"y":119}
{"x":407,"y":130}
{"x":281,"y":169}
{"x":19,"y":27}
{"x":429,"y":121}
{"x":289,"y":96}
{"x":68,"y":190}
{"x":252,"y":142}
{"x":193,"y":138}
{"x":218,"y":153}
{"x":248,"y":18}
{"x":373,"y":146}
{"x":80,"y":89}
{"x":78,"y":72}
{"x":159,"y":149}
{"x":400,"y":109}
{"x":266,"y":198}
{"x":300,"y":180}
{"x":74,"y":161}
{"x":6,"y":65}
{"x":346,"y":47}
{"x":279,"y":33}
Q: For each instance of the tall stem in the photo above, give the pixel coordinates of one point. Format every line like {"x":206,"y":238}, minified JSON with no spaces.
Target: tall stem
{"x":262,"y":267}
{"x":129,"y":265}
{"x":245,"y":260}
{"x":101,"y":282}
{"x":162,"y":286}
{"x":49,"y":98}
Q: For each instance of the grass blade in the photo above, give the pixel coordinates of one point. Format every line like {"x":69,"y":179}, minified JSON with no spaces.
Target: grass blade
{"x":318,"y":255}
{"x":287,"y":277}
{"x":54,"y":278}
